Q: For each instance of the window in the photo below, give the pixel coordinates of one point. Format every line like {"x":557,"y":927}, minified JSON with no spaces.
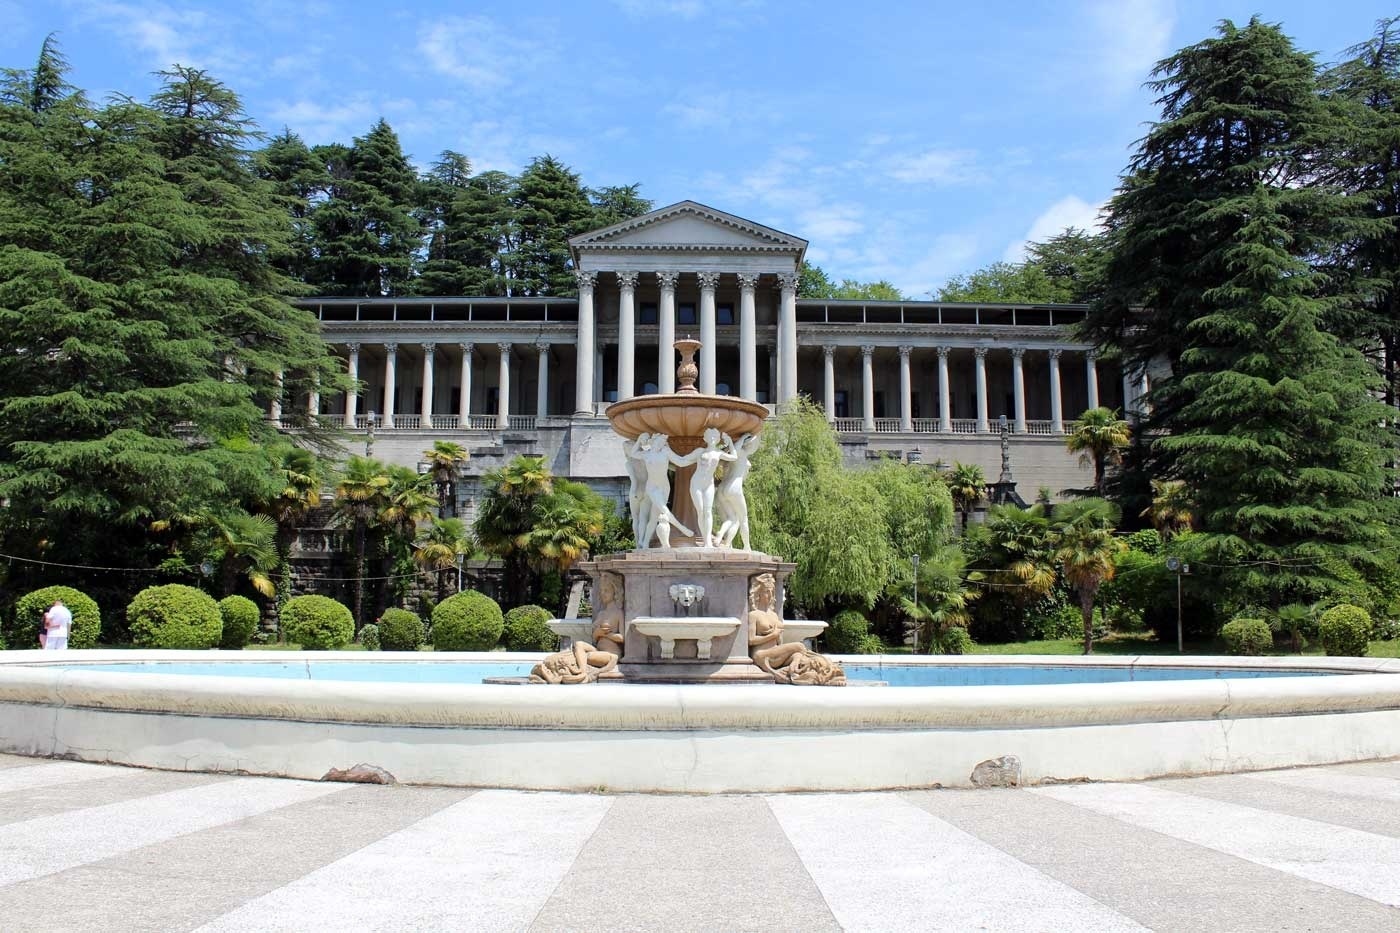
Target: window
{"x":724,"y":314}
{"x":493,"y":398}
{"x":843,"y":404}
{"x":879,"y":404}
{"x":685,"y":314}
{"x":722,"y":388}
{"x":649,"y":388}
{"x":648,"y":315}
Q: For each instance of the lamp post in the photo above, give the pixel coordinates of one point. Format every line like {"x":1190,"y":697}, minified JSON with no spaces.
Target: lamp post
{"x":1175,"y":565}
{"x":914,"y":561}
{"x":369,"y":434}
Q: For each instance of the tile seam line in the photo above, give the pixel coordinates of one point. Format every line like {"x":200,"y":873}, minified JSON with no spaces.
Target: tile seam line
{"x":564,"y":877}
{"x":768,"y":802}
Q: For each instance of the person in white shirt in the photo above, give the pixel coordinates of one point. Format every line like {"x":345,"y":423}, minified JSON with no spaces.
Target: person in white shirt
{"x":57,"y":621}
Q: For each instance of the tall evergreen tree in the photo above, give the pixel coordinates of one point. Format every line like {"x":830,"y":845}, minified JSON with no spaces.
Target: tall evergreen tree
{"x":299,"y":181}
{"x":445,"y":271}
{"x":617,"y":203}
{"x":485,"y":234}
{"x":550,"y":206}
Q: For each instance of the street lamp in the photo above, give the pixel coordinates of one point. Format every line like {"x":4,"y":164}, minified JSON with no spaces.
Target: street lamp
{"x":914,"y":561}
{"x":369,"y":433}
{"x":1175,"y":565}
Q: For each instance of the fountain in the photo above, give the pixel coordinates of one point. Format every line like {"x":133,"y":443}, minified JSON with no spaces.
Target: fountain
{"x":692,"y":603}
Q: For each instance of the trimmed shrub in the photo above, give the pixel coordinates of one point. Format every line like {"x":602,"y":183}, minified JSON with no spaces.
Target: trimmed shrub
{"x":369,"y":637}
{"x":1345,"y":631}
{"x":1063,"y":621}
{"x":844,"y":634}
{"x":29,"y":617}
{"x":240,"y":615}
{"x":467,"y":621}
{"x":527,"y":629}
{"x":869,"y":644}
{"x":174,"y":616}
{"x":1247,"y":636}
{"x":400,"y":630}
{"x":955,"y":641}
{"x":317,"y":623}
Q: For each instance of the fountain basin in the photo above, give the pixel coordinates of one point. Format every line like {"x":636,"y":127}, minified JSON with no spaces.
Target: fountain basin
{"x":683,"y":417}
{"x":702,"y":630}
{"x":802,"y":630}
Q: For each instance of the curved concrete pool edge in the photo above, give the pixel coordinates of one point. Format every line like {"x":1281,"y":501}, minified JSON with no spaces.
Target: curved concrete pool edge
{"x":696,"y":738}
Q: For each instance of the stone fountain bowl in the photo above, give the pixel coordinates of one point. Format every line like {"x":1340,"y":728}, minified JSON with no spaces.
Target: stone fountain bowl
{"x":684,"y":416}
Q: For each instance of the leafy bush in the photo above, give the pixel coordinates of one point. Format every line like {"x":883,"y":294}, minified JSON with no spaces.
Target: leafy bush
{"x":527,"y":629}
{"x":175,"y":616}
{"x":869,"y":644}
{"x":1060,"y":622}
{"x":369,"y":637}
{"x":844,"y":634}
{"x":240,"y":615}
{"x":1387,"y":630}
{"x":29,"y":616}
{"x":1345,"y":631}
{"x":317,"y":623}
{"x":955,"y":641}
{"x":1247,"y":636}
{"x":400,"y":630}
{"x":1146,"y":541}
{"x":467,"y":621}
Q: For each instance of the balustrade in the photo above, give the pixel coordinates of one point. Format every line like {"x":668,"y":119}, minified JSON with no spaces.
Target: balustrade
{"x":520,"y":422}
{"x":1040,"y":427}
{"x":444,"y":422}
{"x":886,"y":425}
{"x":847,"y":425}
{"x":925,"y":425}
{"x":964,"y":425}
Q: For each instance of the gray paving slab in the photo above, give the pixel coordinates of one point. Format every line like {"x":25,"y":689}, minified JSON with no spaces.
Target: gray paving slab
{"x":1311,"y":803}
{"x":687,"y":864}
{"x":17,"y":761}
{"x":182,"y":883}
{"x":120,"y":784}
{"x":1163,"y":883}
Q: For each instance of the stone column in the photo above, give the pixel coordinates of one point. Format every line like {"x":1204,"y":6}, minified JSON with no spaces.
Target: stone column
{"x":1057,"y":415}
{"x":787,"y":336}
{"x":906,"y":392}
{"x":982,"y":425}
{"x":1134,"y":395}
{"x":352,"y":394}
{"x":464,"y":400}
{"x":1018,"y":387}
{"x":391,"y":383}
{"x":666,"y":331}
{"x":429,"y":350}
{"x":945,"y":401}
{"x":313,"y":399}
{"x":503,"y":395}
{"x":829,"y":381}
{"x":626,"y":335}
{"x":274,"y":408}
{"x":748,"y":340}
{"x":1091,"y":374}
{"x":867,"y":375}
{"x":583,"y":377}
{"x":542,"y":376}
{"x":708,"y":282}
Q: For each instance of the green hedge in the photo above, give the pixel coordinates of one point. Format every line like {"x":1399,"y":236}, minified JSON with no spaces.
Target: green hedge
{"x":400,"y":630}
{"x":369,"y":637}
{"x":527,"y":629}
{"x":240,"y":615}
{"x":317,"y":623}
{"x":467,"y":621}
{"x":846,"y":632}
{"x":1247,"y":636}
{"x":955,"y":641}
{"x":29,"y":618}
{"x":174,"y":616}
{"x":1345,"y":631}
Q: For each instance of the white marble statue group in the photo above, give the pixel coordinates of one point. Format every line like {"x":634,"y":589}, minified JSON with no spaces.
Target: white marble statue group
{"x":649,"y":459}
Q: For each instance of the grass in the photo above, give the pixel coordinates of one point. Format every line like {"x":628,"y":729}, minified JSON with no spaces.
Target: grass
{"x":1148,"y":644}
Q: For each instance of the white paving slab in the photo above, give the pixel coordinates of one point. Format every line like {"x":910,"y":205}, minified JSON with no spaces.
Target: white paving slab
{"x":1366,"y":864}
{"x":48,"y":844}
{"x":1335,"y":782}
{"x":489,"y":862}
{"x":56,"y":773}
{"x":884,"y":864}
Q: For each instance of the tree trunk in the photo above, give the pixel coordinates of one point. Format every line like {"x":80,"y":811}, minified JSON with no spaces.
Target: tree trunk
{"x":442,"y":585}
{"x":359,"y":574}
{"x":1086,"y":606}
{"x":1100,"y":469}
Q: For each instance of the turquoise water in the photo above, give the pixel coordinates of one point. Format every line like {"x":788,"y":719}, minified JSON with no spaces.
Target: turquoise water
{"x":896,"y":675}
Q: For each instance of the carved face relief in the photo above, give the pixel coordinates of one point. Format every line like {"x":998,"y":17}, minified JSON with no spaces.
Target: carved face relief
{"x":609,"y":595}
{"x":762,"y":591}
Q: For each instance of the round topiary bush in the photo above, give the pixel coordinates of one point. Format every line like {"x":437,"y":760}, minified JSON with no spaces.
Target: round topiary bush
{"x":844,"y":634}
{"x":527,"y":629}
{"x":29,"y":618}
{"x":1247,"y":636}
{"x":240,"y":615}
{"x":174,"y":616}
{"x":369,"y":637}
{"x":1345,"y":631}
{"x":317,"y":623}
{"x":467,"y":621}
{"x":400,"y":630}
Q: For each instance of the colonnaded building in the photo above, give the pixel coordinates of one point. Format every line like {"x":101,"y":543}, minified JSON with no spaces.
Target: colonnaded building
{"x":919,"y":380}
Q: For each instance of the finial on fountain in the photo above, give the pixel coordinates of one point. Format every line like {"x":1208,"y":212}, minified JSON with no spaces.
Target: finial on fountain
{"x":687,"y":372}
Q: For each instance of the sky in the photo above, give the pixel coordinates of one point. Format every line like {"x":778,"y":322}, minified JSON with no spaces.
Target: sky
{"x":907,"y":141}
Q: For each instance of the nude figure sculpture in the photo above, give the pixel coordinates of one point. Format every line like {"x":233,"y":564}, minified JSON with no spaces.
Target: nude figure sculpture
{"x":656,"y":457}
{"x":702,"y":483}
{"x":729,"y":495}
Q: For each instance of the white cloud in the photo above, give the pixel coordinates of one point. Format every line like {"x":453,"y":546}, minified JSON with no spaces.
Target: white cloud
{"x":318,"y":123}
{"x":477,"y":52}
{"x":702,"y":110}
{"x":170,"y":35}
{"x":935,"y":167}
{"x":1070,"y":211}
{"x":1129,"y":38}
{"x":685,"y":9}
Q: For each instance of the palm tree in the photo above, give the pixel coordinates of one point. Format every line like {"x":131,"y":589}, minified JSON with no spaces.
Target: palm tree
{"x":438,"y":548}
{"x":967,"y":484}
{"x":1085,"y":549}
{"x":1016,"y":549}
{"x":1172,"y":510}
{"x":407,"y":505}
{"x":360,"y":495}
{"x":566,"y":522}
{"x":1099,"y":438}
{"x":1295,"y":619}
{"x":244,"y":544}
{"x":945,"y":602}
{"x":509,"y":514}
{"x":443,"y":461}
{"x":301,"y":492}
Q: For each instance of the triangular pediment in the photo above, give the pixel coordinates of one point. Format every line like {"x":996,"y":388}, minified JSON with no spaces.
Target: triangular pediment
{"x":689,"y":226}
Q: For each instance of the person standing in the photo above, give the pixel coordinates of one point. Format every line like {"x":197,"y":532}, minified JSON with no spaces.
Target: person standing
{"x":57,"y":621}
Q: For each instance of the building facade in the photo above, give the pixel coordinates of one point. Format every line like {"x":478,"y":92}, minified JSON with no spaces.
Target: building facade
{"x":924,"y":381}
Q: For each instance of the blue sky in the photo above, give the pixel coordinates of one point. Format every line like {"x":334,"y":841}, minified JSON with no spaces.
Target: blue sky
{"x":906,"y":141}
